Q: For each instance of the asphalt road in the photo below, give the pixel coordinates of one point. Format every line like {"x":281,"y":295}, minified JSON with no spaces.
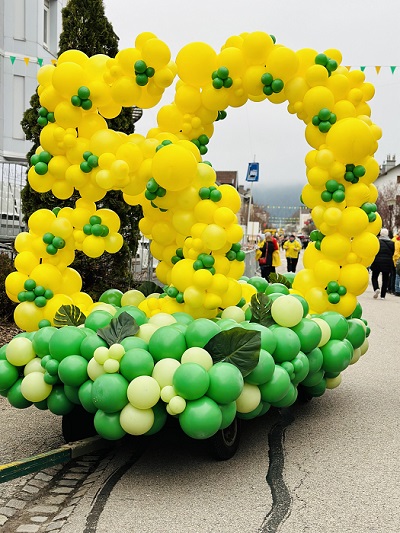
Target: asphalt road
{"x":332,"y":464}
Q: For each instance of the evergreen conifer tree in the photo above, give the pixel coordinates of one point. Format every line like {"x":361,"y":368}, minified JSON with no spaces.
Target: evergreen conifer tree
{"x":86,"y":28}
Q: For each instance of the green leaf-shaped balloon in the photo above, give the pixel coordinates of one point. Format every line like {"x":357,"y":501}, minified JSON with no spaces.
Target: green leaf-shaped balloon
{"x":69,"y":315}
{"x":237,"y":346}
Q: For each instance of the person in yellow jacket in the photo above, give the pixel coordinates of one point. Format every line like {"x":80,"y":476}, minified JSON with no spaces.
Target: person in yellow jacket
{"x":292,"y":248}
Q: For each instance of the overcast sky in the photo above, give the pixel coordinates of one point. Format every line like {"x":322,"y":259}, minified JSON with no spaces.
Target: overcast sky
{"x":365,"y":31}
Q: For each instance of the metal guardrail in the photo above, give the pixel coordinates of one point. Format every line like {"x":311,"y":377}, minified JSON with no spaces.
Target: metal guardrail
{"x":12,"y":181}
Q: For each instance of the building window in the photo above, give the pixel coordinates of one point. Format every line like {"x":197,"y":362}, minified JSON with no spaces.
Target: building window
{"x":46,"y":23}
{"x":19,"y":20}
{"x":18,"y":106}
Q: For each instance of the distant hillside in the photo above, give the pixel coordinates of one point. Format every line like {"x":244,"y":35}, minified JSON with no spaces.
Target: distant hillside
{"x":281,"y":199}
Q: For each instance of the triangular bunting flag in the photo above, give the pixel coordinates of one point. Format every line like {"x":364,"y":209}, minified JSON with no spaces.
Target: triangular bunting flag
{"x":378,"y":69}
{"x":362,"y":69}
{"x":40,"y":61}
{"x":26,"y":60}
{"x":53,"y":61}
{"x":12,"y":59}
{"x":392,"y":69}
{"x":348,"y":67}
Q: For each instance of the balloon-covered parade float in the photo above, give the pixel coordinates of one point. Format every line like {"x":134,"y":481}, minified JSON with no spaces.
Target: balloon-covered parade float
{"x":213,"y":346}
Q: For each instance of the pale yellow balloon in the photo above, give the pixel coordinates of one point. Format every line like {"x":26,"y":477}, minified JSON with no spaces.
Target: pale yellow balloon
{"x":249,"y":398}
{"x":164,"y":371}
{"x":143,"y":392}
{"x":325,"y":330}
{"x":19,"y":351}
{"x":34,"y":388}
{"x":136,"y":421}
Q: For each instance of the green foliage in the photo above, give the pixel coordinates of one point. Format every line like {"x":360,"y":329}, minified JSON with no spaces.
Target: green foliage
{"x":275,"y":277}
{"x":6,"y":305}
{"x":69,"y":315}
{"x":86,"y":28}
{"x":121,"y":327}
{"x":260,"y":305}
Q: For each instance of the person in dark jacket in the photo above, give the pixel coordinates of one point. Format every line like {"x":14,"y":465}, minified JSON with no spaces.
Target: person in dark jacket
{"x":382,"y":264}
{"x":269,"y":246}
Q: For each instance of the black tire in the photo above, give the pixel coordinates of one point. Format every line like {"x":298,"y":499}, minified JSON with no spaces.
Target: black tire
{"x":303,"y":396}
{"x":225,"y":443}
{"x":77,"y":425}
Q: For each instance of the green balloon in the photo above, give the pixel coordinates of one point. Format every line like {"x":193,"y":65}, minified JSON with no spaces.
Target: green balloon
{"x":303,"y":302}
{"x":139,"y":316}
{"x":72,"y":394}
{"x":42,"y":406}
{"x":337,"y":323}
{"x":65,"y":341}
{"x":315,"y":360}
{"x":277,"y":387}
{"x":58,"y":403}
{"x":309,"y":334}
{"x":41,"y":340}
{"x":337,"y":356}
{"x":301,"y":368}
{"x":200,"y":331}
{"x":183,"y":318}
{"x":201,"y":418}
{"x":252,"y":414}
{"x":357,"y":313}
{"x":167,"y":342}
{"x":160,"y":418}
{"x":98,"y":319}
{"x":287,"y":344}
{"x":226,"y":383}
{"x":357,"y":333}
{"x":265,"y":408}
{"x":90,"y":344}
{"x":72,"y":370}
{"x":112,"y":296}
{"x":268,"y":341}
{"x":136,"y":362}
{"x":317,"y":390}
{"x":289,"y":398}
{"x":107,"y":425}
{"x":228,"y":411}
{"x":85,"y":396}
{"x":8,"y":374}
{"x":191,"y":381}
{"x":313,"y":378}
{"x":109,"y":393}
{"x":263,"y":371}
{"x":3,"y":350}
{"x":134,"y":342}
{"x":276,"y":287}
{"x":290,"y":277}
{"x":15,"y":396}
{"x":259,"y":283}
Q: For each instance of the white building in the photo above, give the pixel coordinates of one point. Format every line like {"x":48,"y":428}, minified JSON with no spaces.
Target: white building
{"x":29,"y":34}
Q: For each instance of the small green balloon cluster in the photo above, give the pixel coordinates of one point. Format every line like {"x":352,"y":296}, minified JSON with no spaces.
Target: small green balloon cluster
{"x":153,"y":190}
{"x":53,"y":242}
{"x":370,"y":209}
{"x":324,"y":120}
{"x":206,"y":262}
{"x":334,"y":191}
{"x":271,"y":85}
{"x":82,"y":98}
{"x":90,"y":162}
{"x":178,"y":256}
{"x":45,"y":117}
{"x":35,"y":293}
{"x":221,"y":115}
{"x":95,"y":227}
{"x":41,"y":162}
{"x":201,"y":143}
{"x":335,"y":291}
{"x":354,"y":173}
{"x":235,"y":253}
{"x":164,"y":143}
{"x":50,"y":365}
{"x":210,"y":193}
{"x":173,"y":292}
{"x":330,"y":64}
{"x":143,"y":72}
{"x":316,"y":236}
{"x":221,"y":78}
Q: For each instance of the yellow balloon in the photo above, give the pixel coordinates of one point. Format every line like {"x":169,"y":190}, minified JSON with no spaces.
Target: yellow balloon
{"x":326,"y":271}
{"x":93,"y":246}
{"x":196,"y":62}
{"x":136,"y":421}
{"x":335,"y":246}
{"x":365,"y":244}
{"x":350,"y":139}
{"x":174,"y":167}
{"x":355,"y":278}
{"x":25,"y":262}
{"x":354,"y":221}
{"x":27,"y":316}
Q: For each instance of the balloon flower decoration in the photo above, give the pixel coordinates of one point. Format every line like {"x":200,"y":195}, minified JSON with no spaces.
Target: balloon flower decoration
{"x":214,"y":344}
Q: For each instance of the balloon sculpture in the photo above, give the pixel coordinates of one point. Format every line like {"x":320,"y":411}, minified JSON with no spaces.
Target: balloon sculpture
{"x":215,"y":344}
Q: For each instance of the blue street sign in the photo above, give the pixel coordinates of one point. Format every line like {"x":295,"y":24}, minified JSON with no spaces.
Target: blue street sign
{"x":253,"y":172}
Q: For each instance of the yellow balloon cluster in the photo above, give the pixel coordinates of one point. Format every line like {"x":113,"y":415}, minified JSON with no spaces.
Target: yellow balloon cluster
{"x":190,"y":219}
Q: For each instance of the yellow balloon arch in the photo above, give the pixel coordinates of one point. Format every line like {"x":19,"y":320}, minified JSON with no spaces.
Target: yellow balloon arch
{"x":190,"y":219}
